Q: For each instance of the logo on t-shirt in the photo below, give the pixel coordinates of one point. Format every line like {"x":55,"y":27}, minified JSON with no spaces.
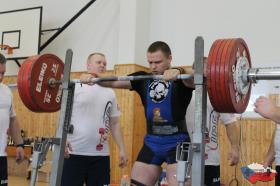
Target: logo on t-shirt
{"x":157,"y":116}
{"x":104,"y":132}
{"x":213,"y":132}
{"x":158,"y":90}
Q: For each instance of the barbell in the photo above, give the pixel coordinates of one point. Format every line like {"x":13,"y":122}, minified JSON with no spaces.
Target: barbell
{"x":40,"y":87}
{"x":229,"y":78}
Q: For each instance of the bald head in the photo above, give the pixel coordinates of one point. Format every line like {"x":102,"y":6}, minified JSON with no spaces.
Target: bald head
{"x":96,"y":63}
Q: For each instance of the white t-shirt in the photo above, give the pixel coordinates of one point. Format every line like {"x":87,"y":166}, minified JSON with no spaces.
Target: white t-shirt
{"x":6,"y":112}
{"x":277,"y":144}
{"x":92,"y":109}
{"x":212,"y":155}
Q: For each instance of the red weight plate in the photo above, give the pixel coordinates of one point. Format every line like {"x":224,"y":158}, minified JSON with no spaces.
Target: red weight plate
{"x":211,"y":72}
{"x":228,"y":80}
{"x":23,"y":84}
{"x":221,"y":66}
{"x":223,"y":74}
{"x":238,"y":101}
{"x":213,"y":78}
{"x":219,"y":91}
{"x":33,"y":85}
{"x":47,"y":98}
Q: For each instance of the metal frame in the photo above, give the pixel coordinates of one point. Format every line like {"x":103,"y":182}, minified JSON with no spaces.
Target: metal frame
{"x":198,"y":145}
{"x":38,"y":157}
{"x":192,"y":155}
{"x":64,"y":121}
{"x":59,"y":142}
{"x":184,"y":160}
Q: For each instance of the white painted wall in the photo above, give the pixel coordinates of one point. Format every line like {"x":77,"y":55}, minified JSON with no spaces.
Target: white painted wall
{"x":142,"y":31}
{"x":179,"y":22}
{"x":118,"y":28}
{"x":134,"y":31}
{"x":174,"y":21}
{"x":96,"y":30}
{"x":123,"y":29}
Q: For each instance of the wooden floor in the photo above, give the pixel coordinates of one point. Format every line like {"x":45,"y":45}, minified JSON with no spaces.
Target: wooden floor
{"x":22,"y":181}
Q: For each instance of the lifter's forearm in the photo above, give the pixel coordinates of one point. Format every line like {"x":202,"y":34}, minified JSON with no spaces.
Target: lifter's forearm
{"x":87,"y":78}
{"x":233,"y":135}
{"x":115,"y":84}
{"x":117,"y":135}
{"x":187,"y":70}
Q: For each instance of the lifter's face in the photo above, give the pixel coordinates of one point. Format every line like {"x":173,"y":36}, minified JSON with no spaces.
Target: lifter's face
{"x":96,"y":64}
{"x":158,"y":62}
{"x":2,"y":71}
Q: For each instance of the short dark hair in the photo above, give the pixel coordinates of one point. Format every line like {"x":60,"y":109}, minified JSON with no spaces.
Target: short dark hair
{"x":2,"y":59}
{"x":160,"y":45}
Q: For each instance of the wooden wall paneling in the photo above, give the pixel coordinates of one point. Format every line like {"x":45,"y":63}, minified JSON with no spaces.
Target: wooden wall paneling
{"x":256,"y":135}
{"x":130,"y":125}
{"x":34,"y":124}
{"x":140,"y":128}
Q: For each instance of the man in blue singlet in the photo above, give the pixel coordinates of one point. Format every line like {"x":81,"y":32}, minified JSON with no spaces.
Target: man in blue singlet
{"x":165,"y":102}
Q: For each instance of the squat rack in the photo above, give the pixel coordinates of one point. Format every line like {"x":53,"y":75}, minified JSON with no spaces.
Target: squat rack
{"x":196,"y":148}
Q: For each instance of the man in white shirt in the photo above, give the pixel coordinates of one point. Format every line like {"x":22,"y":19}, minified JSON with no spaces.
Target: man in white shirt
{"x":95,"y":114}
{"x":8,"y":125}
{"x":212,"y":154}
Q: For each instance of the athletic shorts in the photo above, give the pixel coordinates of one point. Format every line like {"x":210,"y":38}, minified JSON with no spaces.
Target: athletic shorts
{"x":212,"y":175}
{"x":159,"y":149}
{"x":92,"y":170}
{"x":3,"y":171}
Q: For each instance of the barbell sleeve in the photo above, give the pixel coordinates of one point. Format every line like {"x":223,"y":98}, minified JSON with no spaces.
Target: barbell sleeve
{"x":267,"y":73}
